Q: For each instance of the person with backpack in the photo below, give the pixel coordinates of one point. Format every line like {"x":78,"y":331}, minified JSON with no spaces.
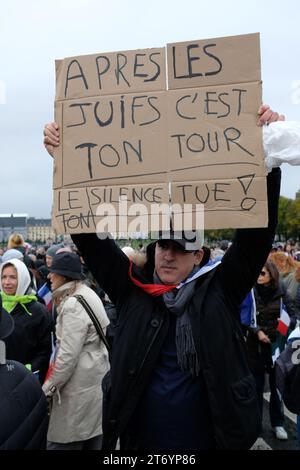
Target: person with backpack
{"x":270,"y":296}
{"x":79,"y":363}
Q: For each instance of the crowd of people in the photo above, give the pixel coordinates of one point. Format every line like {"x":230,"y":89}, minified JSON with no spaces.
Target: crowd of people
{"x":55,"y":336}
{"x":56,"y":341}
{"x":65,"y":323}
{"x":165,"y":349}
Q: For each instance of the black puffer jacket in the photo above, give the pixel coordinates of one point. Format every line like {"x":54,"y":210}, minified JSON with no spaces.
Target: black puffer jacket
{"x":30,"y":342}
{"x":23,"y":409}
{"x":143,"y":324}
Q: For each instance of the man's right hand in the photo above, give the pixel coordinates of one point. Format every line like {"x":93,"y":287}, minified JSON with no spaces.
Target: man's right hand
{"x":51,"y":137}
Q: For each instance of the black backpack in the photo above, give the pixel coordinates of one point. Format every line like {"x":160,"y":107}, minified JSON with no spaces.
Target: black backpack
{"x":287,"y":369}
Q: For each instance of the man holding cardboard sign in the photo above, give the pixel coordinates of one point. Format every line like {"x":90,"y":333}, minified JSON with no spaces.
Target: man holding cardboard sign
{"x":179,"y":377}
{"x":169,"y":128}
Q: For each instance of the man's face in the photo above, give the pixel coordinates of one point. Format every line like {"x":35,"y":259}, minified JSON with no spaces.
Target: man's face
{"x":49,"y":261}
{"x":172,"y":263}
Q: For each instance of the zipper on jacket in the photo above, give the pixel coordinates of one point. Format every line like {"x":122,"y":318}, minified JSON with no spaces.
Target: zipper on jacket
{"x":119,"y":432}
{"x":158,"y":328}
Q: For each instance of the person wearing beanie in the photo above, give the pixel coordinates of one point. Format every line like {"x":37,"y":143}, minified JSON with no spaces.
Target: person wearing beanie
{"x":51,"y":252}
{"x":23,"y":407}
{"x":73,"y":382}
{"x":30,"y":342}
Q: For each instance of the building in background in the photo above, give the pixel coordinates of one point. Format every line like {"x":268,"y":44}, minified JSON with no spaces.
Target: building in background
{"x":40,"y":231}
{"x":10,"y":223}
{"x":32,"y":229}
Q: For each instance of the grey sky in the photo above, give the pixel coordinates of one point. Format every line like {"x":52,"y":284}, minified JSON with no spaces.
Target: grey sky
{"x":36,"y":32}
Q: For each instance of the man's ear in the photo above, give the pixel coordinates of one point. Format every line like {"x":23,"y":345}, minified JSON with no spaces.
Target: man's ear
{"x":198,"y":257}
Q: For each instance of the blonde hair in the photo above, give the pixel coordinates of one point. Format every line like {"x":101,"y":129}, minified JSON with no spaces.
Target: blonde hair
{"x":297,"y":273}
{"x":284,"y":263}
{"x":15,"y":240}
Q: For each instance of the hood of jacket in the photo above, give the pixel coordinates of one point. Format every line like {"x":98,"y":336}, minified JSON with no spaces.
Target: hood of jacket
{"x":22,"y":273}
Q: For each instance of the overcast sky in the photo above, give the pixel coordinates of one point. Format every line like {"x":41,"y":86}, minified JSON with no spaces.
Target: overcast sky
{"x":36,"y":32}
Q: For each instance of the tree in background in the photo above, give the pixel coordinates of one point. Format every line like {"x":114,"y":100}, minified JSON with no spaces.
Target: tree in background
{"x":288,"y":223}
{"x":288,"y":219}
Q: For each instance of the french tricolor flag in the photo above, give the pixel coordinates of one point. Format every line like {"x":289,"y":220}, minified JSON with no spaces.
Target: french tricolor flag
{"x":284,"y":320}
{"x":45,"y":293}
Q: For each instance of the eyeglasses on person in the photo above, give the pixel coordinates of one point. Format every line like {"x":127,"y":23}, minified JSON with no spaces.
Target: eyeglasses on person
{"x":263,"y":273}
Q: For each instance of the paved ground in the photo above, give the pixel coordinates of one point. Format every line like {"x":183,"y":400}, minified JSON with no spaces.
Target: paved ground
{"x":268,"y":441}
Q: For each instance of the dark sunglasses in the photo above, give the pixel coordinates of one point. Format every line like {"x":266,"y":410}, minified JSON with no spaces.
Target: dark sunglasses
{"x":263,"y":273}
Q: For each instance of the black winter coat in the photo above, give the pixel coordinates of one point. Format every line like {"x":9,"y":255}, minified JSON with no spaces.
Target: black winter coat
{"x":143,"y":323}
{"x":30,"y":342}
{"x":23,"y":409}
{"x":268,"y":304}
{"x":268,"y":308}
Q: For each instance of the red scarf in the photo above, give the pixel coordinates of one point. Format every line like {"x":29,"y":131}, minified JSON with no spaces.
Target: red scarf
{"x":153,"y":289}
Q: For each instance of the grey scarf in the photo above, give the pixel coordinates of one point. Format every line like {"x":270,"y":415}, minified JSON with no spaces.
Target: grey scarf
{"x":176,"y":302}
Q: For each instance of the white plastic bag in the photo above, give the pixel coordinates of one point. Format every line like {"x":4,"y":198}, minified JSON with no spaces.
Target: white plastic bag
{"x":281,"y":143}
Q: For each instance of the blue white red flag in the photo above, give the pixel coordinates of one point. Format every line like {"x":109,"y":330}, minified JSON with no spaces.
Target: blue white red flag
{"x":45,"y":293}
{"x":284,"y":320}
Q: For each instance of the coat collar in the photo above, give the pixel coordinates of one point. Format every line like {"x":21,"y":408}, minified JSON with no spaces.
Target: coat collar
{"x":66,"y":290}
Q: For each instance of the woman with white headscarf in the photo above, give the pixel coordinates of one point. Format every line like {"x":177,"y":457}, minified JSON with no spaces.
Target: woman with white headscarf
{"x":30,"y":342}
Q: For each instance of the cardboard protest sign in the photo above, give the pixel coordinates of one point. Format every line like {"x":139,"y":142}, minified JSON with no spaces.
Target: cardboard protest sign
{"x":113,"y":139}
{"x":210,"y":62}
{"x":128,"y":137}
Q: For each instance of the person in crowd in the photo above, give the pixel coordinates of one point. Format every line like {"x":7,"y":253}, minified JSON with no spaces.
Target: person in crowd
{"x":51,"y":252}
{"x":23,"y":407}
{"x":15,"y":240}
{"x":79,"y":364}
{"x":297,"y":298}
{"x":287,"y":266}
{"x":37,"y":280}
{"x":289,"y":247}
{"x":12,"y":253}
{"x":30,"y":342}
{"x":270,"y":297}
{"x":179,"y":374}
{"x":41,"y":271}
{"x":287,"y":375}
{"x":17,"y":249}
{"x":44,"y":291}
